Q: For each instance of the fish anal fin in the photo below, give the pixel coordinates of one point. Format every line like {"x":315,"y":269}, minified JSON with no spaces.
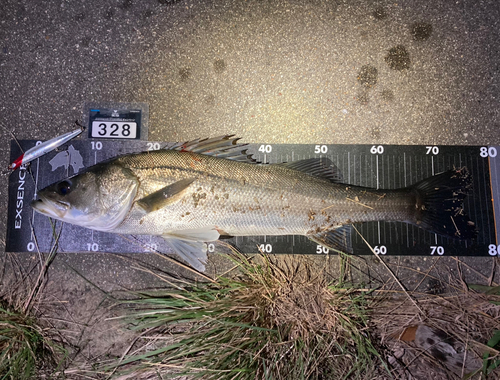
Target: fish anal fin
{"x":165,"y":196}
{"x":190,"y":244}
{"x":193,"y":252}
{"x":338,"y":239}
{"x":321,"y":167}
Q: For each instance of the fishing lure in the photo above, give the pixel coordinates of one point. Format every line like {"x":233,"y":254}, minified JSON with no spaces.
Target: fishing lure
{"x":44,"y":148}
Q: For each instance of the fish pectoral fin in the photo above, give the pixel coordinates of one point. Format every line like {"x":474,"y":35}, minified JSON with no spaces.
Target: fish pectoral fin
{"x":190,"y":244}
{"x":338,"y":239}
{"x":193,"y":252}
{"x":165,"y":196}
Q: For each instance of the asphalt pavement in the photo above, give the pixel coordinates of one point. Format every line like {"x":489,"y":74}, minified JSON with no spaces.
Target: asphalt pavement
{"x":319,"y":72}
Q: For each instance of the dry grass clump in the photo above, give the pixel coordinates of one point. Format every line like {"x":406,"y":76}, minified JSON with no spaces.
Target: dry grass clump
{"x":273,"y":321}
{"x":25,"y":350}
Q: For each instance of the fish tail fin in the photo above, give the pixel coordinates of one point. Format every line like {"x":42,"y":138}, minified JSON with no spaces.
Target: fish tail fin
{"x":439,"y":204}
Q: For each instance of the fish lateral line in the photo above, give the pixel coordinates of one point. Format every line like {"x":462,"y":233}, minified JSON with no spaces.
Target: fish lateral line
{"x":357,"y":202}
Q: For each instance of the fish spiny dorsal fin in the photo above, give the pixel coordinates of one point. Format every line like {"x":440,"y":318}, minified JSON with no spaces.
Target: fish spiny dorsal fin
{"x":318,"y":167}
{"x":222,"y":147}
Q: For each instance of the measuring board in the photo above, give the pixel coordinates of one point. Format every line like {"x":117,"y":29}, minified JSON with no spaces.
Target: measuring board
{"x":376,"y":166}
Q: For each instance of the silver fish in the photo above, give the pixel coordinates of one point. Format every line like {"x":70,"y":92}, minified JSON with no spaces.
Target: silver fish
{"x":195,"y":192}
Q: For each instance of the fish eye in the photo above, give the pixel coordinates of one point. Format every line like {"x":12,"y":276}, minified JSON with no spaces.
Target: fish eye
{"x":64,"y":187}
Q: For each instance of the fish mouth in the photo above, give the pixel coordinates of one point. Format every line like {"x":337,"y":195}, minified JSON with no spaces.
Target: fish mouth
{"x":54,"y":209}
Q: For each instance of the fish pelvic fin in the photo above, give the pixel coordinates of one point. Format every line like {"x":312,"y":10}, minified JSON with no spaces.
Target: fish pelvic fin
{"x":338,"y":239}
{"x":190,"y":245}
{"x":439,"y":204}
{"x":165,"y":196}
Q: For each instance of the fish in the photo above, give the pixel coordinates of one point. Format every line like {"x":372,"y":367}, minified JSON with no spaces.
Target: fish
{"x":44,"y":148}
{"x":199,"y":191}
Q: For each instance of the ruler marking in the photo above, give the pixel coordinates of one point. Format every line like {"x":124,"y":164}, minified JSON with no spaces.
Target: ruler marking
{"x":404,"y":166}
{"x":361,"y":176}
{"x":486,"y":201}
{"x":384,"y":224}
{"x":348,"y":167}
{"x":410,"y":170}
{"x":378,"y":225}
{"x":372,"y":179}
{"x":493,"y":162}
{"x":354,"y":169}
{"x":396,"y":184}
{"x":497,"y":188}
{"x":378,"y":182}
{"x":369,"y":171}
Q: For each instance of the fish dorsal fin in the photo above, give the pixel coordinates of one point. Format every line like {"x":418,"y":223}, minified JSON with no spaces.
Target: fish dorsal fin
{"x":318,"y":167}
{"x":223,"y":147}
{"x":338,"y":239}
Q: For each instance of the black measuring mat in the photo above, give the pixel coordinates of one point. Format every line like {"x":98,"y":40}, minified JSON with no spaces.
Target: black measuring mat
{"x":375,"y":166}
